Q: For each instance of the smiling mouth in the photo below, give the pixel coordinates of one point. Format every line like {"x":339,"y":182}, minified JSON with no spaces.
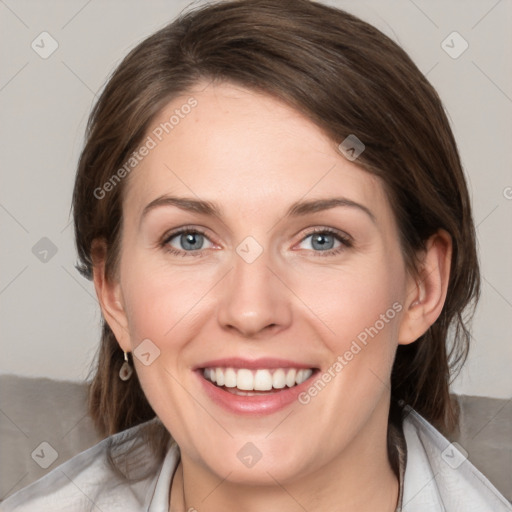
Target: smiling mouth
{"x":250,"y":382}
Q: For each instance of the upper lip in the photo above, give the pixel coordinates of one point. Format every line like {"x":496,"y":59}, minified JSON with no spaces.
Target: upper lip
{"x":262,"y":363}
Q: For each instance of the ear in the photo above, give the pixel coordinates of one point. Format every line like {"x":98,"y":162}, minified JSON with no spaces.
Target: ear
{"x":427,"y":292}
{"x":110,"y":296}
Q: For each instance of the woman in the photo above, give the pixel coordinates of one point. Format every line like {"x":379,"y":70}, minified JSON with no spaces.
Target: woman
{"x":272,"y":208}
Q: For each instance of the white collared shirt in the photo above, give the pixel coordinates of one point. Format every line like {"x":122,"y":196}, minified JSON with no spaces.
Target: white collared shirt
{"x":437,"y":478}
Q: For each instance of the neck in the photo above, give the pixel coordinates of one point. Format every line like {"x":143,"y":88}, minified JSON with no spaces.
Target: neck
{"x":358,"y":480}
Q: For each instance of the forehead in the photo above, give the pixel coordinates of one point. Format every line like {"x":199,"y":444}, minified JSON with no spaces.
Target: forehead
{"x":240,"y":148}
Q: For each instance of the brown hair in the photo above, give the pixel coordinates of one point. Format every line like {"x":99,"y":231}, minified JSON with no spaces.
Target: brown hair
{"x":348,"y":78}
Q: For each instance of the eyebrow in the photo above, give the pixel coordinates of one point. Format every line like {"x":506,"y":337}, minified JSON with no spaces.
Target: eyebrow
{"x":297,"y":209}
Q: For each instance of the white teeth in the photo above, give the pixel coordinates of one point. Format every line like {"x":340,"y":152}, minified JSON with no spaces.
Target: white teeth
{"x":230,"y":378}
{"x":262,"y":380}
{"x":303,"y":375}
{"x":290,"y":378}
{"x":244,"y":380}
{"x":210,"y":374}
{"x":279,"y":379}
{"x":257,"y":380}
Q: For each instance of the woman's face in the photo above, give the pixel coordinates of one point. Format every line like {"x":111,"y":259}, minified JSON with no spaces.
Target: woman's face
{"x":275,"y":282}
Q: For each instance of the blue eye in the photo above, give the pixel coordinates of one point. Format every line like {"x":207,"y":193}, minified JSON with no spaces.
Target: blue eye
{"x":323,"y":241}
{"x":191,"y":241}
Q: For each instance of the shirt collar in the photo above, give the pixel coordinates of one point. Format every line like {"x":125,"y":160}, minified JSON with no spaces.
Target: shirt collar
{"x":159,"y":500}
{"x":419,"y":449}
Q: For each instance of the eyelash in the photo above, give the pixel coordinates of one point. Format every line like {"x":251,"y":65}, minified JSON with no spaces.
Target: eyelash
{"x":346,"y":242}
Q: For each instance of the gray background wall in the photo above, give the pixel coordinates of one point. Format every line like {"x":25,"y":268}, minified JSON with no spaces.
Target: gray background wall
{"x":49,"y":315}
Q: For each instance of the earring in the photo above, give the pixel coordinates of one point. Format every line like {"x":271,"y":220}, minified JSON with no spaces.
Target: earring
{"x":126,"y":370}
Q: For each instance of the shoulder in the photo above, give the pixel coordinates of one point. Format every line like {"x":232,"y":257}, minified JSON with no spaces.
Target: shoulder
{"x":118,"y":473}
{"x":439,"y":476}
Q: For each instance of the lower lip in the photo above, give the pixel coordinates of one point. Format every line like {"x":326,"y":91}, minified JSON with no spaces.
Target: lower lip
{"x":256,"y":404}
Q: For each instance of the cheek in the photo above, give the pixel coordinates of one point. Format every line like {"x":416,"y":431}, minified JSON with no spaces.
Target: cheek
{"x":161,"y":300}
{"x":357,"y":302}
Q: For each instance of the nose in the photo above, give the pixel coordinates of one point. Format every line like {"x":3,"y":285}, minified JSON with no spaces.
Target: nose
{"x":254,"y":300}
